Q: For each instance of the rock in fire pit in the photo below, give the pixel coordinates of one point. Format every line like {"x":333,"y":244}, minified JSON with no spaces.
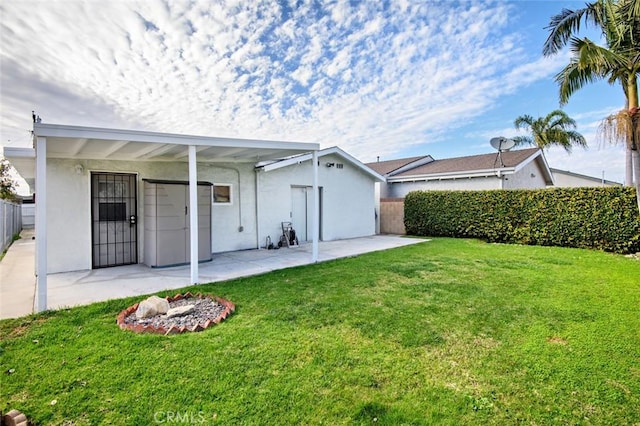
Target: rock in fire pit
{"x":186,"y":312}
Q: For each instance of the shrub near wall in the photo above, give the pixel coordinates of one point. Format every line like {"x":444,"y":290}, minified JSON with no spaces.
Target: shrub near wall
{"x":596,"y":218}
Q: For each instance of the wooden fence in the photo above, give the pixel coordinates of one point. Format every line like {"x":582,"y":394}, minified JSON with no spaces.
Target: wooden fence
{"x":392,"y":216}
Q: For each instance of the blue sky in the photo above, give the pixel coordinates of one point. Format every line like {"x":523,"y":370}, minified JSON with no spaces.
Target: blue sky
{"x":378,"y":79}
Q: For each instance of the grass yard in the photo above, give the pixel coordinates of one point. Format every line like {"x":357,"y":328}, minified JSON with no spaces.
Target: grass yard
{"x":445,"y":332}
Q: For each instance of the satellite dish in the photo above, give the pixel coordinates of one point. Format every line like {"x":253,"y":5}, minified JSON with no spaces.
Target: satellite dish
{"x":502,"y":144}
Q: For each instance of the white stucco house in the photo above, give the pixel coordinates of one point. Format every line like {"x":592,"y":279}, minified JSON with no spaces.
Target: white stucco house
{"x":346,"y":195}
{"x":567,"y":179}
{"x":110,"y":197}
{"x":517,"y":169}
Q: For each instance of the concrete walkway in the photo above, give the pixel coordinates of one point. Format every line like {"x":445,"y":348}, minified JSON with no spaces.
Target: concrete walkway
{"x":17,"y":277}
{"x":88,"y":286}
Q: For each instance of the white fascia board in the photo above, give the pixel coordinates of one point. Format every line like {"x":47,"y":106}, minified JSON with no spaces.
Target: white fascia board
{"x":23,"y":160}
{"x":454,"y":175}
{"x":286,"y":162}
{"x":542,"y":161}
{"x":581,"y":176}
{"x":547,"y":168}
{"x":527,"y":160}
{"x":551,"y":180}
{"x":417,"y":163}
{"x":357,"y":163}
{"x":63,"y":131}
{"x":327,"y":151}
{"x":14,"y":152}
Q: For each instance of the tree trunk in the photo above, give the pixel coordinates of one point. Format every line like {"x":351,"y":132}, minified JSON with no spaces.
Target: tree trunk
{"x":632,"y":99}
{"x":636,"y":171}
{"x":628,"y":167}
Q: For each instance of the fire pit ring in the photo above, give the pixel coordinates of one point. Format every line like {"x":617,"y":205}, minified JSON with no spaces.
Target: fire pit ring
{"x":210,"y":310}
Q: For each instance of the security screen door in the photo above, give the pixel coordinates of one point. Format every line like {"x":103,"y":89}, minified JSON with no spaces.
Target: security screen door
{"x":114,"y":219}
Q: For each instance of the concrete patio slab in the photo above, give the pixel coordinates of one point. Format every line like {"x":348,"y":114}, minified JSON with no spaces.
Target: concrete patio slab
{"x":96,"y":285}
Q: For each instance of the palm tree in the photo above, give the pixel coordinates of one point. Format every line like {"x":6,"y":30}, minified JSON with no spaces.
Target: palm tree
{"x":623,"y":126}
{"x":556,"y":128}
{"x":617,"y":62}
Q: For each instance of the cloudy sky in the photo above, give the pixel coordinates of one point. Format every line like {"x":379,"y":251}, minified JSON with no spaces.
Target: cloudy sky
{"x":378,"y":79}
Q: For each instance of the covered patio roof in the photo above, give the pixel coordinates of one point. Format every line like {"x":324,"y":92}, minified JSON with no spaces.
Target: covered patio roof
{"x":77,"y":142}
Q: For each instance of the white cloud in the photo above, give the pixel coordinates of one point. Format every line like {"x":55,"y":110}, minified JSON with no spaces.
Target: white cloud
{"x":372,"y":82}
{"x":591,"y":162}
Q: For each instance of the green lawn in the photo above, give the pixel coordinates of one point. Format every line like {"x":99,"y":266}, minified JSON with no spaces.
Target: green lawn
{"x":444,"y":332}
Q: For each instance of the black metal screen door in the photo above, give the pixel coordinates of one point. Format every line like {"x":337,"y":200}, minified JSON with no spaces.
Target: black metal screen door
{"x":114,"y":219}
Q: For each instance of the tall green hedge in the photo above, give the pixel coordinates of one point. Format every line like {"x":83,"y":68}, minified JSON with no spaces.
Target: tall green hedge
{"x":597,"y":218}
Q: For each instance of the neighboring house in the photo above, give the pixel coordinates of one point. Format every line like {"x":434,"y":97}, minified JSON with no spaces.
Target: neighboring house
{"x":109,"y":197}
{"x":28,"y":212}
{"x":517,"y":169}
{"x":566,"y":179}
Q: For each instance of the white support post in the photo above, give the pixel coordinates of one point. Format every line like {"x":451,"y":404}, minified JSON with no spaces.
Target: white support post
{"x":41,"y":224}
{"x":316,"y":208}
{"x":193,"y":213}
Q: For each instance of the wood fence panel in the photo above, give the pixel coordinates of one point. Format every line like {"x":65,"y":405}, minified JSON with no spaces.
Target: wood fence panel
{"x":392,"y":216}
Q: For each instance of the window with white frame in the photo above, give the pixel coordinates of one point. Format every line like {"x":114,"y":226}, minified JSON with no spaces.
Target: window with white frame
{"x":222,"y":193}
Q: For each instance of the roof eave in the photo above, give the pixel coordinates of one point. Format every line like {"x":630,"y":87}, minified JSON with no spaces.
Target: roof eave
{"x":455,"y":175}
{"x":66,"y":131}
{"x":327,"y":151}
{"x":411,"y":165}
{"x":24,"y":161}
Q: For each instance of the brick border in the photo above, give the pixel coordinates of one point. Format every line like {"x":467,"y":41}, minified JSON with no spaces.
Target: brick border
{"x":14,"y":418}
{"x":229,"y":308}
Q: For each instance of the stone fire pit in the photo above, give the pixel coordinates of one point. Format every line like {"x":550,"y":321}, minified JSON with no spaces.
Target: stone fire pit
{"x":174,"y":315}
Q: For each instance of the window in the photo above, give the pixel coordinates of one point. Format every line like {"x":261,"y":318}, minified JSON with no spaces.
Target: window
{"x":221,"y":193}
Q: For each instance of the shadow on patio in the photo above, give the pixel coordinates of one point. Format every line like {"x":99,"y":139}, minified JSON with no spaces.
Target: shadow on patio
{"x":88,"y":286}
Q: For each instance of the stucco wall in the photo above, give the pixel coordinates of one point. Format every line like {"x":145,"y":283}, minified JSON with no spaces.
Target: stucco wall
{"x":348,"y":199}
{"x":227,"y":219}
{"x":401,"y":189}
{"x":564,"y":180}
{"x":69,"y":206}
{"x":529,"y":177}
{"x":28,"y":216}
{"x":348,"y":203}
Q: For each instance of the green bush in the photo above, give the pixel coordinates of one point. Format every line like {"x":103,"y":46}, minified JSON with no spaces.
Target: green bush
{"x":596,"y":218}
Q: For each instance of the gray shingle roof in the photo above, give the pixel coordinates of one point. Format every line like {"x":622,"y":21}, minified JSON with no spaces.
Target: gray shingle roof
{"x":386,"y":167}
{"x":470,"y":163}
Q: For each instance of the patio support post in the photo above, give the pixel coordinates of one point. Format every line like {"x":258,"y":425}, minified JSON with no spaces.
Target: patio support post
{"x":41,"y":224}
{"x":193,"y":213}
{"x":316,"y":208}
